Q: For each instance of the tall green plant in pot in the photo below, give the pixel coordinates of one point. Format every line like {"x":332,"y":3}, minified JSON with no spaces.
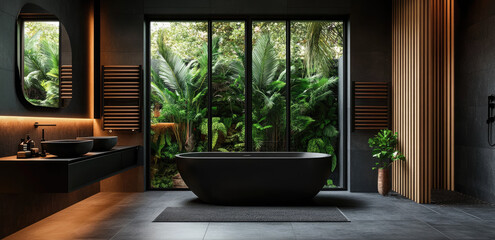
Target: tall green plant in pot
{"x":383,"y":147}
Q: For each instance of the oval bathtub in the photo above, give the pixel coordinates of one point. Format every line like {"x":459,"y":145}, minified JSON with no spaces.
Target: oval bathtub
{"x":254,"y":177}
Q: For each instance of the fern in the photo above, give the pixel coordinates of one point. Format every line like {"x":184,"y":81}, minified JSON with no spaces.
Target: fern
{"x":217,"y":127}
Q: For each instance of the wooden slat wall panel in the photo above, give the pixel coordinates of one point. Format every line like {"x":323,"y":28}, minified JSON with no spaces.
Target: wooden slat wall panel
{"x":422,"y":96}
{"x":371,"y":105}
{"x":66,"y":82}
{"x":122,"y":97}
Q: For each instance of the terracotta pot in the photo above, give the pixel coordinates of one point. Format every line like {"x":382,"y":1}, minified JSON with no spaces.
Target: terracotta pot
{"x":384,"y":181}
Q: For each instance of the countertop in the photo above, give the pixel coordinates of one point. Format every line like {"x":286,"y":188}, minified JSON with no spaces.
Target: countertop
{"x":53,"y":158}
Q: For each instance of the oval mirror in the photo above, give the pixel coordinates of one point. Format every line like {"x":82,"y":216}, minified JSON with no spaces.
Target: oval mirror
{"x":44,"y":58}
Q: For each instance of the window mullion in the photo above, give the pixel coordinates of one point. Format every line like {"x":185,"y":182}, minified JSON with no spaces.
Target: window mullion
{"x":248,"y":84}
{"x":210,"y":92}
{"x":287,"y":83}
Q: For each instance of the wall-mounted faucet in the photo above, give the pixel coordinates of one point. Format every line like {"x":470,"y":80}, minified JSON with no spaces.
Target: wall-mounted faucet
{"x":36,"y":124}
{"x":42,"y":134}
{"x":42,"y":151}
{"x":491,"y":118}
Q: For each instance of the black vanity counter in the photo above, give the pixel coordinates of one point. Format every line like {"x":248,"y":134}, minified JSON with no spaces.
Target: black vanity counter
{"x":60,"y":175}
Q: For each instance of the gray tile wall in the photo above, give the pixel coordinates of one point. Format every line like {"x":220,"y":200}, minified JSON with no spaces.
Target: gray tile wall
{"x":370,"y":56}
{"x":474,"y":81}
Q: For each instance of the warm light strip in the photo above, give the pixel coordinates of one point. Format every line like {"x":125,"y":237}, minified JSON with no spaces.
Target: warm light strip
{"x":38,"y":119}
{"x":91,"y":57}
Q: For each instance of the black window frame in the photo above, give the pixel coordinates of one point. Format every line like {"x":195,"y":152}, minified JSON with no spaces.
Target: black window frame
{"x":248,"y":20}
{"x":34,"y":17}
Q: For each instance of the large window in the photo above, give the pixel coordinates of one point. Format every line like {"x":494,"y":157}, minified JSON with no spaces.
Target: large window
{"x":269,"y":86}
{"x":316,"y":48}
{"x":179,"y":83}
{"x":228,"y":91}
{"x":203,"y":98}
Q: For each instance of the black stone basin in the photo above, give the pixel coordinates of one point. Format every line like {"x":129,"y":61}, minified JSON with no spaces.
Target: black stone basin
{"x":103,"y":143}
{"x":67,"y":147}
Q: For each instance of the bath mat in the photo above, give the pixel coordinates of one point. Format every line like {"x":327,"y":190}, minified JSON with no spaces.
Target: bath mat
{"x":251,"y":214}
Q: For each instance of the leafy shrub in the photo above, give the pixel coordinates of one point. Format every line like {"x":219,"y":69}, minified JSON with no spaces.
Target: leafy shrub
{"x":383,"y":147}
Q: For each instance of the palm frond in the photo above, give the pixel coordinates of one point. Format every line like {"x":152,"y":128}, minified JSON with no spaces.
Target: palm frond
{"x":319,"y":55}
{"x":173,"y":72}
{"x":265,"y":63}
{"x":51,"y":51}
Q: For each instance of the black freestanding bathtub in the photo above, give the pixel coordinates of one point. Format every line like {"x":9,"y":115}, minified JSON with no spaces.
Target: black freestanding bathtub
{"x":254,"y":178}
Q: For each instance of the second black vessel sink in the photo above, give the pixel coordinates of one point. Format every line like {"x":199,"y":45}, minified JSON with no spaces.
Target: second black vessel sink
{"x":101,"y":143}
{"x":67,"y":147}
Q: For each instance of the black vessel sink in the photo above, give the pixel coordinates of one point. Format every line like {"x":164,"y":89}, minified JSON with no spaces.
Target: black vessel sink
{"x":103,"y":143}
{"x":67,"y":147}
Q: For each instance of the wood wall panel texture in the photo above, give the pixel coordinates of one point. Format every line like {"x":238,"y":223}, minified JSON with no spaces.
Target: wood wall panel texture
{"x":371,"y":105}
{"x":20,"y":210}
{"x":12,"y":129}
{"x":66,"y":82}
{"x":422,"y":96}
{"x":122,"y":97}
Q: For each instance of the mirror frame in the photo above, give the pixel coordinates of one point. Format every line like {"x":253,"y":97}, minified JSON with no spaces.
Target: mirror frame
{"x":44,"y":15}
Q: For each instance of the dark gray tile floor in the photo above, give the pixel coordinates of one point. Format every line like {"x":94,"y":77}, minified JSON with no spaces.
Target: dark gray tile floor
{"x":130,"y":215}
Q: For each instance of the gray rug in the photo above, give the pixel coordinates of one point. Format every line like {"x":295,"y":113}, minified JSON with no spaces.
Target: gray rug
{"x":210,"y":213}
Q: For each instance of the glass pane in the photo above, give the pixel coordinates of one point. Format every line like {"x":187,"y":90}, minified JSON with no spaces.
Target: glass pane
{"x":228,"y":78}
{"x":268,"y":74}
{"x":179,"y":84}
{"x":316,"y":47}
{"x":41,"y":63}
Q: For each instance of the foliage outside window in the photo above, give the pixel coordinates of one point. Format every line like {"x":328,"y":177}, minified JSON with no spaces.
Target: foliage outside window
{"x":179,"y":60}
{"x":316,"y":47}
{"x":41,"y":62}
{"x":179,"y":67}
{"x":228,"y":79}
{"x":269,"y":81}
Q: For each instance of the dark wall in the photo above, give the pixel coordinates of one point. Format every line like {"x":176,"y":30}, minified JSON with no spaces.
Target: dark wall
{"x":122,"y":42}
{"x":474,"y":81}
{"x":20,"y":210}
{"x":74,"y":16}
{"x":371,"y":61}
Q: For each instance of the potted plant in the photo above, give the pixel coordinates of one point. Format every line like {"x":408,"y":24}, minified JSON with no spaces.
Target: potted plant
{"x":383,"y":146}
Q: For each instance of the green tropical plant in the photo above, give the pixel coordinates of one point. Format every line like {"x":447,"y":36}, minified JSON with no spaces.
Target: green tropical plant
{"x":383,"y":146}
{"x":163,"y":168}
{"x":228,"y":98}
{"x":180,"y":89}
{"x":217,"y":127}
{"x":178,"y":96}
{"x":162,"y":182}
{"x":319,"y":55}
{"x":41,"y":70}
{"x":323,"y":146}
{"x":314,"y":115}
{"x":268,"y":95}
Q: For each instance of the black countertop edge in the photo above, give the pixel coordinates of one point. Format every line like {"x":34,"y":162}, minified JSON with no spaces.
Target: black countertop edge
{"x":53,"y":158}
